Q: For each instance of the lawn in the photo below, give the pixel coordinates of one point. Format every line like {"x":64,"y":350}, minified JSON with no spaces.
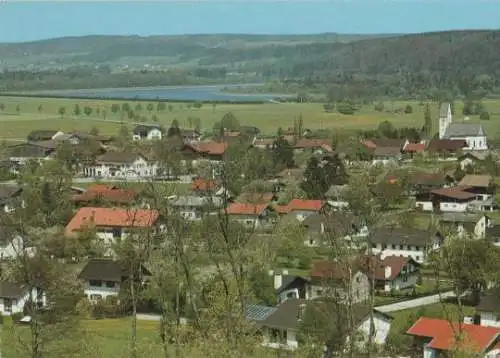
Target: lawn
{"x":268,"y":117}
{"x":167,"y":187}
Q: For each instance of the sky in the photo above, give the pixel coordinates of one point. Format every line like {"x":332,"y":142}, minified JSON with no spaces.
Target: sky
{"x":34,"y":20}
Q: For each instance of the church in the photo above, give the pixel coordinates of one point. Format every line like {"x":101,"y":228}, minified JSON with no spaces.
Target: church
{"x":472,"y":133}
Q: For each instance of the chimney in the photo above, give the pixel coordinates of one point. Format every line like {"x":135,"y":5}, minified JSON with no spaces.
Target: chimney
{"x":278,"y":280}
{"x":388,"y":272}
{"x":322,"y":228}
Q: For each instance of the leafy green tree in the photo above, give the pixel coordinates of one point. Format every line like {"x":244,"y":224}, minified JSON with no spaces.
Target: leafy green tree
{"x":2,"y":107}
{"x":150,"y":107}
{"x":387,"y":130}
{"x":87,"y":110}
{"x":283,"y":153}
{"x":18,"y":109}
{"x":228,"y":122}
{"x":319,"y":176}
{"x":427,"y":120}
{"x":160,"y":107}
{"x":174,"y":130}
{"x":62,"y":111}
{"x":131,"y":114}
{"x":138,"y":107}
{"x":171,"y":108}
{"x":408,"y":109}
{"x":125,"y":107}
{"x":40,"y":108}
{"x":484,"y":116}
{"x":76,"y":110}
{"x":115,"y":108}
{"x":198,"y":104}
{"x":94,"y":131}
{"x":346,"y":107}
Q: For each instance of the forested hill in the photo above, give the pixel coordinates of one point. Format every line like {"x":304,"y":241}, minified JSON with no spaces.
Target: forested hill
{"x":400,"y":65}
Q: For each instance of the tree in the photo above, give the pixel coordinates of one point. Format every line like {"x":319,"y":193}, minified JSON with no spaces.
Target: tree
{"x":76,"y":110}
{"x":484,"y":116}
{"x":131,"y":114}
{"x":408,"y":109}
{"x":150,"y":107}
{"x":87,"y":110}
{"x":62,"y":111}
{"x":94,"y":131}
{"x":18,"y":109}
{"x":40,"y":108}
{"x":427,"y":121}
{"x":198,"y":105}
{"x":160,"y":107}
{"x":2,"y":107}
{"x":228,"y":122}
{"x":319,"y":176}
{"x":283,"y":153}
{"x":138,"y":107}
{"x":346,"y":107}
{"x":170,"y":108}
{"x":115,"y":108}
{"x":174,"y":129}
{"x":125,"y":107}
{"x":387,"y":129}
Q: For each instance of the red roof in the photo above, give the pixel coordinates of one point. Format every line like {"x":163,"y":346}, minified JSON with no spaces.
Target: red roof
{"x":106,"y":192}
{"x":211,"y":147}
{"x":246,"y":209}
{"x":111,"y":217}
{"x":414,"y":147}
{"x":325,"y":269}
{"x":313,"y":143}
{"x":455,"y":192}
{"x":369,"y":144}
{"x":476,"y":338}
{"x":281,"y":209}
{"x":200,"y":184}
{"x":305,"y":205}
{"x":377,"y":266}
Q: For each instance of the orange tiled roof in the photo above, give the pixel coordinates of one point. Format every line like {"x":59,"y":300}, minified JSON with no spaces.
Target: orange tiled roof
{"x":245,"y":209}
{"x":106,"y":192}
{"x":200,"y":184}
{"x":211,"y":147}
{"x":305,"y":205}
{"x":281,"y":209}
{"x":414,"y":147}
{"x":111,"y":217}
{"x":443,"y":334}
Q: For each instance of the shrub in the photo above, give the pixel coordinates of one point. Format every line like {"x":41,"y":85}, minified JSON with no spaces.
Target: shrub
{"x":408,"y":109}
{"x":485,"y":116}
{"x":328,"y":107}
{"x":16,"y":317}
{"x":1,"y":319}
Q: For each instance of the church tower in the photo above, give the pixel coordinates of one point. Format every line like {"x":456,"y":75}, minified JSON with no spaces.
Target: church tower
{"x":445,"y":118}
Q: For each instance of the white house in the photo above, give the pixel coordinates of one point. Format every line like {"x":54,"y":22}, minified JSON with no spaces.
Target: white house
{"x":22,"y":153}
{"x":392,"y":273}
{"x":13,"y":297}
{"x":102,"y":278}
{"x":148,"y":131}
{"x":192,"y":207}
{"x":405,"y":242}
{"x":466,"y":223}
{"x":121,"y":165}
{"x":8,"y":195}
{"x":473,"y":133}
{"x":281,"y":326}
{"x":113,"y":224}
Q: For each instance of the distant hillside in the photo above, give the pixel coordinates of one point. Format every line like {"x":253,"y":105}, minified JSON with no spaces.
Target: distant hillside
{"x":463,"y":62}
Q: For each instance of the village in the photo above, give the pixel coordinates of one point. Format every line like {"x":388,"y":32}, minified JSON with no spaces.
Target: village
{"x":389,"y":205}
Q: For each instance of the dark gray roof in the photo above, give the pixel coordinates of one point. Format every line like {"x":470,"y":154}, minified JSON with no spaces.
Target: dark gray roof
{"x":489,"y":301}
{"x":197,"y":201}
{"x":143,"y":129}
{"x":118,"y":157}
{"x":460,"y":130}
{"x":41,"y":134}
{"x":460,"y":218}
{"x":258,"y":312}
{"x":443,"y":110}
{"x":493,"y":232}
{"x":9,"y":191}
{"x":106,"y":270}
{"x":286,"y":314}
{"x":27,"y":150}
{"x":10,"y":290}
{"x":401,"y":236}
{"x":387,"y":151}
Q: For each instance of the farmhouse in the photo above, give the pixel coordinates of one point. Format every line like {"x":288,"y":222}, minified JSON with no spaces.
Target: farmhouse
{"x":102,"y":193}
{"x":391,"y":273}
{"x":251,"y":215}
{"x":148,"y":131}
{"x":122,"y":165}
{"x":14,"y":297}
{"x":103,"y":278}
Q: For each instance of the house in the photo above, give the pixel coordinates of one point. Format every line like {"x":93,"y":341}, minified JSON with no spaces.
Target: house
{"x":438,"y":337}
{"x":453,"y":199}
{"x":406,"y":242}
{"x":289,"y":286}
{"x":111,"y":224}
{"x":313,"y":145}
{"x":9,"y":195}
{"x":190,"y":135}
{"x":14,"y":297}
{"x":104,"y":277}
{"x":411,"y":149}
{"x":465,"y":223}
{"x":386,"y":155}
{"x":391,"y":273}
{"x":472,"y":159}
{"x":148,"y":131}
{"x":192,"y":207}
{"x":321,"y":229}
{"x":264,"y":143}
{"x":281,"y":327}
{"x":211,"y":151}
{"x":103,"y":193}
{"x":472,"y":133}
{"x":251,"y":215}
{"x":421,"y":186}
{"x":332,"y":278}
{"x":20,"y":154}
{"x":482,"y":185}
{"x":302,"y":208}
{"x":39,"y":135}
{"x":123,"y":165}
{"x":488,"y":309}
{"x":446,"y":148}
{"x":207,"y":187}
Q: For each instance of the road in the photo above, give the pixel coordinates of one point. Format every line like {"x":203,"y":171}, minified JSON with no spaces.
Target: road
{"x":417,"y":302}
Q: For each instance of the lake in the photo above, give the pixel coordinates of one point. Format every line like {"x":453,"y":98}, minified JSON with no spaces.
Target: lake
{"x":175,"y":93}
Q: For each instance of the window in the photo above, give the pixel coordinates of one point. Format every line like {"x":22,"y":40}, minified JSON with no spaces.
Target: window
{"x":417,"y":258}
{"x":7,"y":304}
{"x":116,"y":233}
{"x":110,"y":284}
{"x":97,"y":283}
{"x":393,"y":247}
{"x":96,"y":297}
{"x":319,"y":293}
{"x":290,"y":295}
{"x":405,"y":278}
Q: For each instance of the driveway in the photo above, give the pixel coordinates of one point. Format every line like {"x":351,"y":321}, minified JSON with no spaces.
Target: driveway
{"x":417,"y":302}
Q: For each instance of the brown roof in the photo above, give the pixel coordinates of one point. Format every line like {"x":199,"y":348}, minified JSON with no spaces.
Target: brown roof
{"x":387,"y":151}
{"x":211,"y":147}
{"x":376,"y":265}
{"x":388,"y":142}
{"x":401,"y":236}
{"x":313,"y":143}
{"x":452,"y":145}
{"x":325,"y":269}
{"x":427,"y":178}
{"x":480,"y":181}
{"x":455,"y":192}
{"x":106,"y":192}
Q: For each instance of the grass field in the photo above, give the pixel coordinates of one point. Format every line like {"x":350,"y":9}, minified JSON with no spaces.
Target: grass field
{"x":268,"y":117}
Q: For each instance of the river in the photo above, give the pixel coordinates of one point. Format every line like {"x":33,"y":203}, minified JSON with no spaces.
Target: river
{"x":175,"y":93}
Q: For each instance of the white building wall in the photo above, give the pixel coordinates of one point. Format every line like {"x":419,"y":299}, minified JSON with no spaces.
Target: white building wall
{"x":429,"y":353}
{"x":102,"y":290}
{"x":424,"y":205}
{"x":400,"y":283}
{"x":382,"y":327}
{"x":489,"y":319}
{"x":401,"y":250}
{"x":453,"y":207}
{"x":18,"y":305}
